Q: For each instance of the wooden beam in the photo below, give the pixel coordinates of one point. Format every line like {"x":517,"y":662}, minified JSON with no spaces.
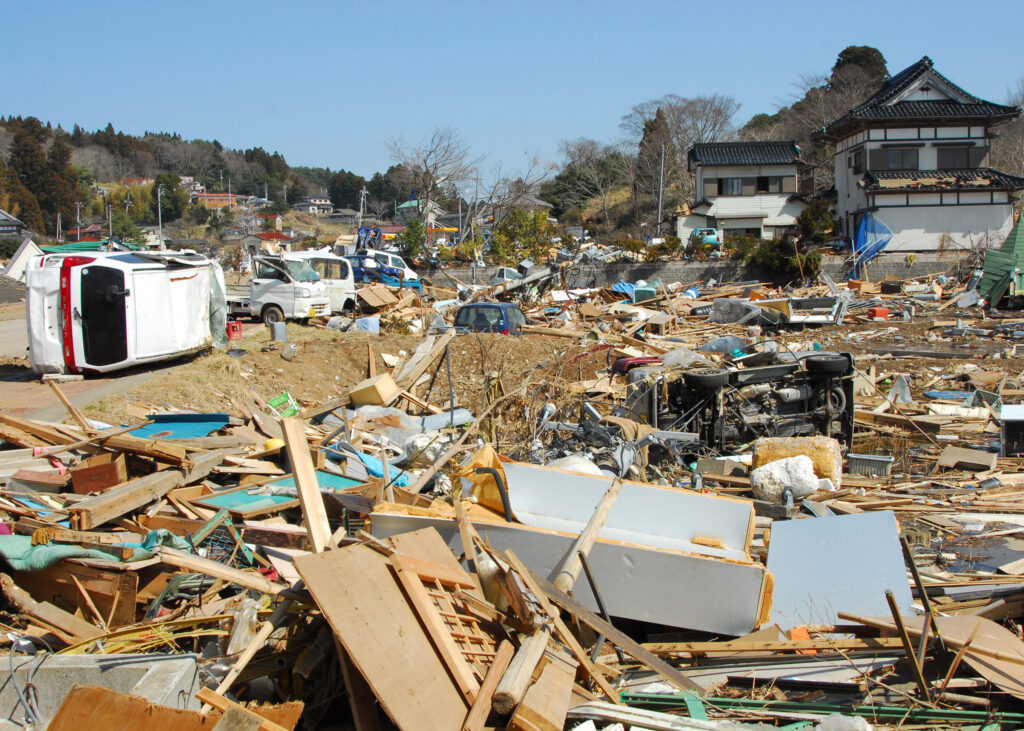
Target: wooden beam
{"x":563,"y":631}
{"x":741,"y":646}
{"x":134,"y":494}
{"x":198,"y":564}
{"x":570,"y":570}
{"x":517,"y":677}
{"x":67,"y":626}
{"x":477,"y":715}
{"x":314,"y":514}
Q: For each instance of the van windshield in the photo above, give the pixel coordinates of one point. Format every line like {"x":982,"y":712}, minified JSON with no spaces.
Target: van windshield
{"x":301,"y":271}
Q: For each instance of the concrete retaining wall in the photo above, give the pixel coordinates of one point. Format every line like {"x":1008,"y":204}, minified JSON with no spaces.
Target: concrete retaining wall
{"x":603,"y":275}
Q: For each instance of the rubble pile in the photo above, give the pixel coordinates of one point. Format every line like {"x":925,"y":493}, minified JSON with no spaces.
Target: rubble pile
{"x":654,"y":505}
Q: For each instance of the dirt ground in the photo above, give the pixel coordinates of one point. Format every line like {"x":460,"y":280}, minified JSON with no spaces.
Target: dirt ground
{"x":329,"y":363}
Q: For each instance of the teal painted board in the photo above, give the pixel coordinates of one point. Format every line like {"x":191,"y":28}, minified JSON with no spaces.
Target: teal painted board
{"x":326,"y":479}
{"x":244,"y":502}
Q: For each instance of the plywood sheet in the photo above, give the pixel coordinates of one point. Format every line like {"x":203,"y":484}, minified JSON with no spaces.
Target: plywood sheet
{"x":845,"y":563}
{"x":358,"y":594}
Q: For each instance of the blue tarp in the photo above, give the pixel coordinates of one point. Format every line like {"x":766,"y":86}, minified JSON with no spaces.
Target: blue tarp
{"x":872,"y":237}
{"x":624,"y":288}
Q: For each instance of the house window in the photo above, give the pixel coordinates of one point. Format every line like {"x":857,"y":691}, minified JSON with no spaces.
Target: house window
{"x":902,"y":159}
{"x":730,"y":186}
{"x":858,"y":162}
{"x":954,"y":158}
{"x":769,"y":184}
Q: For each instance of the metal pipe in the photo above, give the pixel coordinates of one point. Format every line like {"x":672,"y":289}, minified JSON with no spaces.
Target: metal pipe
{"x":600,"y":608}
{"x":501,"y":489}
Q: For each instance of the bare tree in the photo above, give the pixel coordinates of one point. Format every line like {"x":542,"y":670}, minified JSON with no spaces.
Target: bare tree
{"x":441,"y":159}
{"x":503,"y":192}
{"x":378,"y":207}
{"x":598,"y":170}
{"x":1008,"y":148}
{"x":688,"y":122}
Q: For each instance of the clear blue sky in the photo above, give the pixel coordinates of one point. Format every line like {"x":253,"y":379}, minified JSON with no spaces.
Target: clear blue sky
{"x":328,"y":83}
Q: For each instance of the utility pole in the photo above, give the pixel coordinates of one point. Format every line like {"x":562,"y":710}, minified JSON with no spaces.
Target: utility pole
{"x":110,"y":222}
{"x":160,"y":215}
{"x":266,"y":195}
{"x":58,"y":225}
{"x":661,"y":185}
{"x":362,"y":208}
{"x":78,"y":217}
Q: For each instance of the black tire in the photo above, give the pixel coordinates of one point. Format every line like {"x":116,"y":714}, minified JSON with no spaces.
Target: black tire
{"x":272,"y":313}
{"x":714,"y":378}
{"x":827,"y":365}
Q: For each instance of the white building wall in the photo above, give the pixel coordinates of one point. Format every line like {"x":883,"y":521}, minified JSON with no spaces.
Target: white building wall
{"x":923,"y":228}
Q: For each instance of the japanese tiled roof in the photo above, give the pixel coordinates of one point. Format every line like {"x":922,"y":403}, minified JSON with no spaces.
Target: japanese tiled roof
{"x":933,"y":180}
{"x":745,"y":153}
{"x":880,"y":106}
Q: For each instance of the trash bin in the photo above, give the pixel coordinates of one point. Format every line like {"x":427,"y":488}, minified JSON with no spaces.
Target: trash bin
{"x":234,"y":331}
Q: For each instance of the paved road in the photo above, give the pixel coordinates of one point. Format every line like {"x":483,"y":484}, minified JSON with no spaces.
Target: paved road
{"x":13,"y":337}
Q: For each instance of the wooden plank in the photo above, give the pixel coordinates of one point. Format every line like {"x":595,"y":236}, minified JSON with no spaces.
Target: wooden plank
{"x":75,"y":413}
{"x":421,"y":359}
{"x":547,"y":701}
{"x":69,"y":626}
{"x":117,"y":501}
{"x":739,"y":646}
{"x":223,"y":704}
{"x":428,"y":570}
{"x":248,"y":579}
{"x":362,"y":601}
{"x":314,"y":514}
{"x":93,"y":707}
{"x":477,"y":715}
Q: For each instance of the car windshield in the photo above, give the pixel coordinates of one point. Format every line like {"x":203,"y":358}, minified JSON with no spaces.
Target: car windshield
{"x":301,"y":271}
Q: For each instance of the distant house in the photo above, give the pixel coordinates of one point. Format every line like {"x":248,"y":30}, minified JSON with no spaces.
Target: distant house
{"x":138,"y":181}
{"x":217,"y":201}
{"x":413,"y":209}
{"x":269,"y":242}
{"x":912,"y":161}
{"x":315,"y":204}
{"x":190,"y":184}
{"x":11,"y":227}
{"x":744,"y":189}
{"x":274,"y":220}
{"x":92,"y":232}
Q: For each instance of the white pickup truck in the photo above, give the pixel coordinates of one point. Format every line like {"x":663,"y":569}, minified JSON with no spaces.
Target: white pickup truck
{"x":280,"y":289}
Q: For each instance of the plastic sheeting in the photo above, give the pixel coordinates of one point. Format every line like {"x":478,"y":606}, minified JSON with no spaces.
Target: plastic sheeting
{"x":19,"y":552}
{"x":871,"y":239}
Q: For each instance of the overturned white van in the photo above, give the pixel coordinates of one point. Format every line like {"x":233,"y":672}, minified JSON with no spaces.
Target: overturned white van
{"x":98,"y":312}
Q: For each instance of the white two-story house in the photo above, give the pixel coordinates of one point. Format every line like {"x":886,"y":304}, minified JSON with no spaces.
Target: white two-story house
{"x":744,"y":189}
{"x":914,"y":157}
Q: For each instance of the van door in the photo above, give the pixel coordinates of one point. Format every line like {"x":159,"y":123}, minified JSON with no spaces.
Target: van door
{"x":103,"y":316}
